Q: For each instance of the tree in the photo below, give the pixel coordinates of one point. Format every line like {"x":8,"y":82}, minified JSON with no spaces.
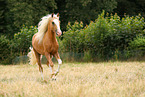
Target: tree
{"x":83,"y":10}
{"x":25,"y":12}
{"x":130,"y":7}
{"x":2,"y":14}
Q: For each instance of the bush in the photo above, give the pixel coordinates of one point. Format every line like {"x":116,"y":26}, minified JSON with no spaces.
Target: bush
{"x":104,"y":36}
{"x":23,"y":39}
{"x":72,"y":39}
{"x":87,"y":56}
{"x":10,"y":49}
{"x":137,"y":47}
{"x":6,"y":50}
{"x":138,"y":43}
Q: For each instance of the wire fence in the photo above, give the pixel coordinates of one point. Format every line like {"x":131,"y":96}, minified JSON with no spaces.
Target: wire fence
{"x":134,"y":55}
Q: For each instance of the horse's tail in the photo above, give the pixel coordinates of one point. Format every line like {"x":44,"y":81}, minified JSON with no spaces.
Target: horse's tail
{"x":32,"y":57}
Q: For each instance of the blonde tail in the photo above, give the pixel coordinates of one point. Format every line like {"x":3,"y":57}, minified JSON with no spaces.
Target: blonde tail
{"x":32,"y":57}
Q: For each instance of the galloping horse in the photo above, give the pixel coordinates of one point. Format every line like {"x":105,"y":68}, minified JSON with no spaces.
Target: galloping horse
{"x":44,"y":42}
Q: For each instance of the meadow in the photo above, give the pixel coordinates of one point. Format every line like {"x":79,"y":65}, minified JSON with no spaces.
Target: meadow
{"x":103,"y":79}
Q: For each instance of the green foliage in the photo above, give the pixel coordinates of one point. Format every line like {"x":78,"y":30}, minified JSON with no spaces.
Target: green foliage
{"x":23,"y":39}
{"x":72,"y":38}
{"x":136,"y":47}
{"x":105,"y":37}
{"x":6,"y":50}
{"x":25,"y":12}
{"x":138,"y":43}
{"x":96,"y":33}
{"x":122,"y":32}
{"x":130,"y":7}
{"x":2,"y":14}
{"x":109,"y":36}
{"x":84,"y":10}
{"x":15,"y":13}
{"x":87,"y":56}
{"x":9,"y":49}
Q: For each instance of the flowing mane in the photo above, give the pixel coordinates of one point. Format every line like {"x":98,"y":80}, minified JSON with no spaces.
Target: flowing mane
{"x":42,"y":26}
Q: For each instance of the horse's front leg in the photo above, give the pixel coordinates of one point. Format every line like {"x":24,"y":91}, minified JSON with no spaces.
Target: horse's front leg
{"x":50,"y":64}
{"x":59,"y":62}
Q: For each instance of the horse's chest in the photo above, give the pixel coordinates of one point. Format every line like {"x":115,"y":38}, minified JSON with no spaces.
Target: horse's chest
{"x":53,"y":49}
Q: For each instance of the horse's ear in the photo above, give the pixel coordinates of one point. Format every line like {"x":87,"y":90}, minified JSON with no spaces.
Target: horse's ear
{"x":52,"y":15}
{"x":57,"y":14}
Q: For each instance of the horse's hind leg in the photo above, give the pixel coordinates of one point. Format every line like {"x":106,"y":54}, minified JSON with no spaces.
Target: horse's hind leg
{"x":39,"y":63}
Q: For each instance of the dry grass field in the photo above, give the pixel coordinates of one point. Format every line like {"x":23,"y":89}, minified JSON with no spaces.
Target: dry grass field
{"x":106,"y":79}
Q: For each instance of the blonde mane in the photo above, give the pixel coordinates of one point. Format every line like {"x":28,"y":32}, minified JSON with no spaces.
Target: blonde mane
{"x":42,"y":27}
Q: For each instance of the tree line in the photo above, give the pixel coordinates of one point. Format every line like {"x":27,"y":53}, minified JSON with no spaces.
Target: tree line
{"x":15,"y":13}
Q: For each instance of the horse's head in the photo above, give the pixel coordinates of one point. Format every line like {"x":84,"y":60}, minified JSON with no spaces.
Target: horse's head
{"x":56,"y":24}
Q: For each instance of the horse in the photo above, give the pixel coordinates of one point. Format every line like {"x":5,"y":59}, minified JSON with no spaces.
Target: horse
{"x":44,"y":42}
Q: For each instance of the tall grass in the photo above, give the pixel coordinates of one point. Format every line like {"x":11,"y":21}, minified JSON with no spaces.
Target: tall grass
{"x":112,"y":79}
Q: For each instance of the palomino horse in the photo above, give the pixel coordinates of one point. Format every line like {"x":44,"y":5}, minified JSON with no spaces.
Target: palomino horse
{"x":44,"y":42}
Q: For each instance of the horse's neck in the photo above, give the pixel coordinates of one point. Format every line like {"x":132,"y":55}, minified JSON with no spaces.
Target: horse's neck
{"x":51,"y":36}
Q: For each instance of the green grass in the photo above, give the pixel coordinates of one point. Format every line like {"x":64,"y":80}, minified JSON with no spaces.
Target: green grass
{"x":112,"y":79}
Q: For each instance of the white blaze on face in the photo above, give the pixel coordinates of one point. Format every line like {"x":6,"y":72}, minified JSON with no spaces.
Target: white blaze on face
{"x":58,"y":26}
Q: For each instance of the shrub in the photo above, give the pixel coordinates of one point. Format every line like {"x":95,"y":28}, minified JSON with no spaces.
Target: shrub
{"x":137,"y":47}
{"x":9,"y":49}
{"x":87,"y":56}
{"x":6,"y":50}
{"x":72,"y":39}
{"x":138,"y":43}
{"x":104,"y":36}
{"x":23,"y":39}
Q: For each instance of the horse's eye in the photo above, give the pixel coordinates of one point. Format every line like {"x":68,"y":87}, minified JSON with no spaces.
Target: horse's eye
{"x":53,"y":23}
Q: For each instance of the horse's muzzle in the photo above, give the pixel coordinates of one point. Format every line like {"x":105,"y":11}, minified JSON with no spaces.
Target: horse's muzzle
{"x":59,"y":32}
